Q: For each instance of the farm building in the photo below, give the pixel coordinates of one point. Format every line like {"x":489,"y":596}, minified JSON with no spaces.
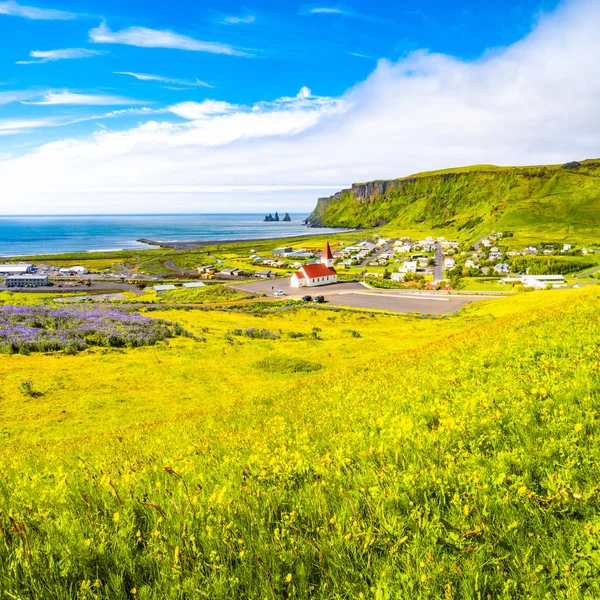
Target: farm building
{"x":317,"y":274}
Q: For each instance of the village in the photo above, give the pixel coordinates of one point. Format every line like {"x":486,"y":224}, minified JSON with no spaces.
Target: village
{"x":351,"y":272}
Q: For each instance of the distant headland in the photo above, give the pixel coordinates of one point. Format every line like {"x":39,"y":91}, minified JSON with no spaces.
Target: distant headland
{"x":275,"y":219}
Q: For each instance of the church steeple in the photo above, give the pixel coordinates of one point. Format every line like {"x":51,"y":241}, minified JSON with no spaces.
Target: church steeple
{"x":327,"y":256}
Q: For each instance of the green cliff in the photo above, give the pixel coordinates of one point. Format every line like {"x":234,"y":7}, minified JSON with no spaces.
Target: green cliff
{"x":556,"y":201}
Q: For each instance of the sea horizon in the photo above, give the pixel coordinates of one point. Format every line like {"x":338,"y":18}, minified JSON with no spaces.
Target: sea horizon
{"x":31,"y":235}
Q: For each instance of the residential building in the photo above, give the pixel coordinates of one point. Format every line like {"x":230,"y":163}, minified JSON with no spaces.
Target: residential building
{"x":21,"y":281}
{"x":502,"y":268}
{"x":409,"y":266}
{"x":449,"y":263}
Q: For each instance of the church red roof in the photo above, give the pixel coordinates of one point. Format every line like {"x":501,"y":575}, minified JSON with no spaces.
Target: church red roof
{"x":327,"y":252}
{"x":316,"y":270}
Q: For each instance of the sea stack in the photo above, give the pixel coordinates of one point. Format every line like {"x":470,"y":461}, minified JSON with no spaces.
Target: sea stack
{"x":287,"y":217}
{"x":269,"y":218}
{"x":276,"y":217}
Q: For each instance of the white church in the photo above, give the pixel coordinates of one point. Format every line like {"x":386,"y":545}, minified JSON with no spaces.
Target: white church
{"x":321,"y":273}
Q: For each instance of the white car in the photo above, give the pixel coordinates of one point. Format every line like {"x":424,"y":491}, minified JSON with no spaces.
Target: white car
{"x":279,"y":293}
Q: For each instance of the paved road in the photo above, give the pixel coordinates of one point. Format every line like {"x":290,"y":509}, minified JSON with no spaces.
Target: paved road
{"x":96,"y":287}
{"x":438,"y":270}
{"x":402,"y":303}
{"x":375,"y":256}
{"x":357,"y":295}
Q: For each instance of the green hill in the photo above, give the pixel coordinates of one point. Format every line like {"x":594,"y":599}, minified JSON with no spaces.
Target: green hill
{"x":544,"y":202}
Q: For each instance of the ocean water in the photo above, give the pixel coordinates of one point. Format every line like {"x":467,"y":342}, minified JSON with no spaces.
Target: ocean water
{"x":21,"y":236}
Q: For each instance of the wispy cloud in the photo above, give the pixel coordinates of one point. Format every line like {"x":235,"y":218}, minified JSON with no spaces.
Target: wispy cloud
{"x":20,"y":126}
{"x":342,"y":11}
{"x":66,"y":97}
{"x":44,"y":56}
{"x":329,"y":11}
{"x":361,"y":55}
{"x":155,"y":38}
{"x":31,"y":12}
{"x":238,"y":20}
{"x":160,"y":79}
{"x":10,"y":96}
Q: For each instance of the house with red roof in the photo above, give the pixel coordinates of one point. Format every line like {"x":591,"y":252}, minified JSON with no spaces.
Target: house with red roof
{"x":317,"y":274}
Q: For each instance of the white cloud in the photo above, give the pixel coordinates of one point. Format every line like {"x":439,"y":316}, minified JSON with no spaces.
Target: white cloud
{"x":239,"y":20}
{"x":154,"y":38}
{"x":534,"y":102}
{"x":73,"y":98}
{"x":329,"y":11}
{"x":31,"y":12}
{"x":43,"y":56}
{"x":199,"y":110}
{"x":159,"y":78}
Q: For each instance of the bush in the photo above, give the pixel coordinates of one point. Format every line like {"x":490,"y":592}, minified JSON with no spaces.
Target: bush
{"x":284,"y":365}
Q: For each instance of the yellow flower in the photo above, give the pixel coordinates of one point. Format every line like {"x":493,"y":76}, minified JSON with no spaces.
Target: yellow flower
{"x":116,"y":517}
{"x":133,"y":591}
{"x":578,"y":427}
{"x":288,"y":577}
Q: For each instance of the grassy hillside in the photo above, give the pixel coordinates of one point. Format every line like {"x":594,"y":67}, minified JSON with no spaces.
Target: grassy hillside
{"x":350,"y":456}
{"x":544,"y":202}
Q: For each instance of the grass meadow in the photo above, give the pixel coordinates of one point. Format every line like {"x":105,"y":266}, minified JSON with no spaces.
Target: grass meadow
{"x":311,"y":453}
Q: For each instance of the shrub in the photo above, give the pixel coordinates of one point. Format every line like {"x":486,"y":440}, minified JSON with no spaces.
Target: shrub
{"x":280,"y":364}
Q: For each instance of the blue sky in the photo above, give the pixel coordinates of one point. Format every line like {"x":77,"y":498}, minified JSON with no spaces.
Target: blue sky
{"x":252,"y":78}
{"x":325,"y":46}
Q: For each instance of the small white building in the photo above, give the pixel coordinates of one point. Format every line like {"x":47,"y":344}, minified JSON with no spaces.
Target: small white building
{"x":194,"y":284}
{"x":449,"y":263}
{"x":409,"y":266}
{"x":73,"y":271}
{"x":164,"y":288}
{"x":317,"y":274}
{"x":542,"y":281}
{"x":567,"y":247}
{"x":502,"y":269}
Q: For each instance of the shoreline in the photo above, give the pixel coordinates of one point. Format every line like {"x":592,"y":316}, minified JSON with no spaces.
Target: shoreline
{"x":190,"y":244}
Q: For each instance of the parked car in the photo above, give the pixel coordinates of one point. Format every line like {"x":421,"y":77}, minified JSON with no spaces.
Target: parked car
{"x":319,"y":299}
{"x":279,"y":293}
{"x":306,"y":298}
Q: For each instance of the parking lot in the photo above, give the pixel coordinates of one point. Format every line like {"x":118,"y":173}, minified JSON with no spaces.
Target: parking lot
{"x":356,"y":295}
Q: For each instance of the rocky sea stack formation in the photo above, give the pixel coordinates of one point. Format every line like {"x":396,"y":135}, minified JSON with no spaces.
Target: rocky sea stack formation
{"x":275,"y":219}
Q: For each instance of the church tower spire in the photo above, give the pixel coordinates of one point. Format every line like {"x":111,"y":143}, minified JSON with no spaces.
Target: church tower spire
{"x":327,"y":256}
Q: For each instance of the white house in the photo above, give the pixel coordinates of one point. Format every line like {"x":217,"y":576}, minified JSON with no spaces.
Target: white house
{"x":584,"y":251}
{"x":317,"y":274}
{"x":502,"y":269}
{"x":449,"y":263}
{"x":410,"y":266}
{"x":567,"y":247}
